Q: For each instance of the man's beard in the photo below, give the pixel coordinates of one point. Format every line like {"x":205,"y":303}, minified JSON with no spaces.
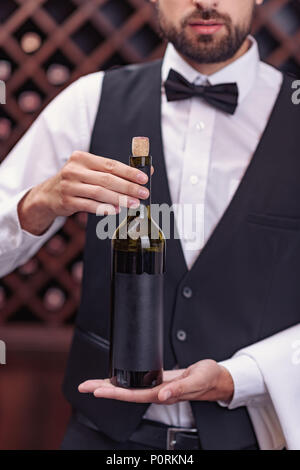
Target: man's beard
{"x":206,"y":48}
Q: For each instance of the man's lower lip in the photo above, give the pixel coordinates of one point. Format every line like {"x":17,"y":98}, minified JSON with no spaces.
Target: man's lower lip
{"x":206,"y":29}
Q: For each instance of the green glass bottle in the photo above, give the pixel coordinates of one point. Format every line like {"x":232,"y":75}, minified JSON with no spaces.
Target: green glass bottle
{"x":138,"y":258}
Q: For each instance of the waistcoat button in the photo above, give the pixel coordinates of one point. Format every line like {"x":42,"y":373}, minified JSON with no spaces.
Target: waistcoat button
{"x":187,"y":292}
{"x":181,"y":335}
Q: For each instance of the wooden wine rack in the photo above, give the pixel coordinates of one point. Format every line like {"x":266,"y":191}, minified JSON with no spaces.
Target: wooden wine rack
{"x":89,"y":35}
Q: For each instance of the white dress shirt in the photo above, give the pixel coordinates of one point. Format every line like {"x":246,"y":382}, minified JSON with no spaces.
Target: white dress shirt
{"x":206,"y":151}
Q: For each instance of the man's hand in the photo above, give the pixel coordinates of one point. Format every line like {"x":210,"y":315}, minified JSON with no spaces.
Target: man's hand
{"x":86,"y":182}
{"x":205,"y":380}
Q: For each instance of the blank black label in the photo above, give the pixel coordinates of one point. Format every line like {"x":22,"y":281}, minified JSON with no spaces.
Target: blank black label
{"x":138,"y":321}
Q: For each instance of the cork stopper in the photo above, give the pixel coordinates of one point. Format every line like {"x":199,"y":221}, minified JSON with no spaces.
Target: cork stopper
{"x":140,"y":146}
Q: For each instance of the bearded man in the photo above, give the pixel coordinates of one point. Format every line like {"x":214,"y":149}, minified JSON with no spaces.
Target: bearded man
{"x":223,"y":134}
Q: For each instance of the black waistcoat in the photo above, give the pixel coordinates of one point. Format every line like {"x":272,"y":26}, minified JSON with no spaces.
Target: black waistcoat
{"x":245,"y":282}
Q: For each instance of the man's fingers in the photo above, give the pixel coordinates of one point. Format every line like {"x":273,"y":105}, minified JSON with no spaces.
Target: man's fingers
{"x":77,"y":204}
{"x":180,"y":387}
{"x":169,"y":375}
{"x":118,"y":393}
{"x":97,"y":193}
{"x":113,"y":183}
{"x":109,"y":165}
{"x":105,"y":389}
{"x":90,"y":385}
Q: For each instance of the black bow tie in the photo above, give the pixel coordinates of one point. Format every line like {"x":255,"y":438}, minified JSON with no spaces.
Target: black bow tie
{"x":223,"y":96}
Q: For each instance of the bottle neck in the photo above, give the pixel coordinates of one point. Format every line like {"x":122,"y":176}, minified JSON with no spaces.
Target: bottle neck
{"x":144,"y":165}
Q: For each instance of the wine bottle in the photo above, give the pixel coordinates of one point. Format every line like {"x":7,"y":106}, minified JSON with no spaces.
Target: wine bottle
{"x":77,"y":271}
{"x":137,"y":273}
{"x":2,"y":297}
{"x":58,"y":74}
{"x":31,"y":42}
{"x":29,"y":268}
{"x":5,"y":128}
{"x":5,"y":70}
{"x":29,"y":101}
{"x":54,"y":299}
{"x":56,"y":246}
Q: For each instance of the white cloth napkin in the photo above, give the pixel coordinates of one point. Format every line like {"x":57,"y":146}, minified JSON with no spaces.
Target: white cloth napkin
{"x":277,"y":420}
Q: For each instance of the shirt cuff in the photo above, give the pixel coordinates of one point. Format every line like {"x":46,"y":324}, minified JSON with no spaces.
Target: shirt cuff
{"x":12,"y":235}
{"x":15,"y":215}
{"x":17,"y":246}
{"x":249,"y":386}
{"x":11,"y":231}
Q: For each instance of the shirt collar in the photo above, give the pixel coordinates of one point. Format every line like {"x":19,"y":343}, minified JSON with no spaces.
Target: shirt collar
{"x":243,"y":71}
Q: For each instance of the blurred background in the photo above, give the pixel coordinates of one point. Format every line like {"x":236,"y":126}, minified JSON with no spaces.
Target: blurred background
{"x":44,"y":46}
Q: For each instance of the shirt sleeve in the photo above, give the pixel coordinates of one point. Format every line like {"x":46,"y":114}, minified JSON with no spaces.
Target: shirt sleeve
{"x":63,"y":126}
{"x":249,"y":385}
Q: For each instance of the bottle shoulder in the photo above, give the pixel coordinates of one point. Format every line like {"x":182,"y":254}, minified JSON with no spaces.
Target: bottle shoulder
{"x":138,"y":233}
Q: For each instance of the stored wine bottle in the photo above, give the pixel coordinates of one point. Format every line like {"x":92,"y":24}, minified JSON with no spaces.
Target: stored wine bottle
{"x":77,"y":271}
{"x":2,"y":297}
{"x":5,"y":128}
{"x":31,"y":42}
{"x":29,"y":101}
{"x":29,"y":268}
{"x":54,"y":299}
{"x":58,"y":74}
{"x":137,"y":275}
{"x":56,"y":246}
{"x":5,"y":70}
